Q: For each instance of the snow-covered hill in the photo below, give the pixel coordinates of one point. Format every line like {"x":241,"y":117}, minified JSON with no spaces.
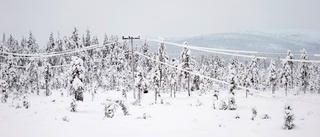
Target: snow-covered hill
{"x":278,"y":41}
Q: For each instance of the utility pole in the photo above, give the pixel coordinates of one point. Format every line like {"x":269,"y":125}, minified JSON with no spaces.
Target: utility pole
{"x":133,"y":61}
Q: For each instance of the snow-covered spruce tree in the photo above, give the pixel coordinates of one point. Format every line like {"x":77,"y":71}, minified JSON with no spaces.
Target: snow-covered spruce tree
{"x":12,"y":76}
{"x":76,"y":77}
{"x":215,"y":98}
{"x":162,"y":56}
{"x":47,"y":76}
{"x":232,"y":79}
{"x":75,"y":40}
{"x":304,"y":71}
{"x":173,"y":78}
{"x":187,"y":63}
{"x":32,"y":45}
{"x":272,"y":76}
{"x":156,"y":83}
{"x":140,"y":85}
{"x":4,"y":92}
{"x":289,"y":117}
{"x":286,"y":76}
{"x":253,"y":73}
{"x":32,"y":70}
{"x":87,"y":41}
{"x":232,"y":75}
{"x":314,"y":82}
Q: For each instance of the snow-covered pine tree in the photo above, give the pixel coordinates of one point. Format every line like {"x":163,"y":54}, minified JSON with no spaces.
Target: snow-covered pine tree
{"x":173,"y":78}
{"x":253,"y":73}
{"x":32,"y":70}
{"x":286,"y":76}
{"x":11,"y":75}
{"x":140,"y":85}
{"x":232,"y":75}
{"x":232,"y":80}
{"x":4,"y":92}
{"x":87,"y":39}
{"x":304,"y":71}
{"x":50,"y":44}
{"x":32,"y":45}
{"x":106,"y":50}
{"x":186,"y":62}
{"x":47,"y":76}
{"x":163,"y":57}
{"x":314,"y":82}
{"x":156,"y":83}
{"x":272,"y":76}
{"x":215,"y":98}
{"x":76,"y":77}
{"x":75,"y":39}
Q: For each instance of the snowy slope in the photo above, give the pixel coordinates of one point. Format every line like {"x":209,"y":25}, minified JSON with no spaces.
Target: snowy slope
{"x":176,"y":117}
{"x":278,"y":41}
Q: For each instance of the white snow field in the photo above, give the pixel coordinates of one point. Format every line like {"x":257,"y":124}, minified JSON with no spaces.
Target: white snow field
{"x":181,"y":116}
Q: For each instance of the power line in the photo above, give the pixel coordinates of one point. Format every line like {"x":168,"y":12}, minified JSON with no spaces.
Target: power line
{"x":232,"y":54}
{"x":200,"y":49}
{"x":38,"y":55}
{"x":301,"y":60}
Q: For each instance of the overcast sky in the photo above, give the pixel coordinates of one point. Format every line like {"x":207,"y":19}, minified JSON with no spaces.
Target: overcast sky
{"x":154,"y":18}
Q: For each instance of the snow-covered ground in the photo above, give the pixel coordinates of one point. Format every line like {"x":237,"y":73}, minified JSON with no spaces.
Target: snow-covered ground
{"x":181,"y":116}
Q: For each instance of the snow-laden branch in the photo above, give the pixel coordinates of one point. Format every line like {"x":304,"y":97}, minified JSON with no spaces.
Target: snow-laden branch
{"x":181,"y":69}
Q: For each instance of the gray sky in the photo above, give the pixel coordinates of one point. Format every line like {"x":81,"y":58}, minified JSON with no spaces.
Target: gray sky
{"x":154,"y":18}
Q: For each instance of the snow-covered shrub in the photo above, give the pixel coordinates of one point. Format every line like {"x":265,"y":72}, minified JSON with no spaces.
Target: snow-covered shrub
{"x":254,"y":113}
{"x":65,"y":118}
{"x":25,"y":102}
{"x":215,"y":98}
{"x":112,"y":105}
{"x":216,"y":95}
{"x":4,"y":97}
{"x":4,"y":87}
{"x":232,"y":103}
{"x":109,"y":109}
{"x":198,"y":103}
{"x":16,"y":101}
{"x":73,"y":106}
{"x":289,"y":117}
{"x":266,"y":116}
{"x":144,"y":116}
{"x":237,"y":116}
{"x":223,"y":105}
{"x":124,"y":107}
{"x":124,"y":93}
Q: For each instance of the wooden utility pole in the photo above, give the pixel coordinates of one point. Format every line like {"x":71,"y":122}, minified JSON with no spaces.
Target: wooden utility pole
{"x":132,"y":59}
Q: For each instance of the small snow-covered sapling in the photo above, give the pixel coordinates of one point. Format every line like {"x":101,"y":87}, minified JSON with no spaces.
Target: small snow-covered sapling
{"x":232,"y":103}
{"x":223,"y":105}
{"x":25,"y":102}
{"x":109,"y":110}
{"x":289,"y":117}
{"x":73,"y":106}
{"x":254,"y":113}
